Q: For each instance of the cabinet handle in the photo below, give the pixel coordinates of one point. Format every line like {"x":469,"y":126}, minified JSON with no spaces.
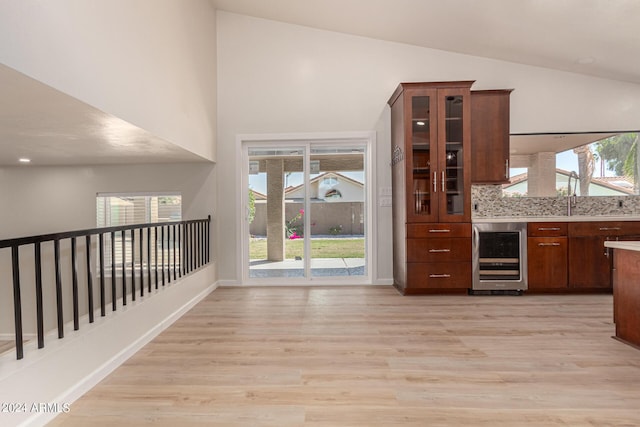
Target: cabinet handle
{"x":506,"y":168}
{"x":439,"y":276}
{"x":439,"y":250}
{"x":549,"y":244}
{"x":609,"y":228}
{"x":443,"y":183}
{"x":435,"y":182}
{"x":443,"y":230}
{"x":549,"y":229}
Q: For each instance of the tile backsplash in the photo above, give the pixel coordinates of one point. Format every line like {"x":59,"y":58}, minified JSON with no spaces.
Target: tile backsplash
{"x":487,"y":202}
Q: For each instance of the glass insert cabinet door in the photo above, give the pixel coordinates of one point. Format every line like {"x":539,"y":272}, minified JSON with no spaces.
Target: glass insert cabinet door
{"x":452,"y":174}
{"x":437,"y":134}
{"x":422,"y":153}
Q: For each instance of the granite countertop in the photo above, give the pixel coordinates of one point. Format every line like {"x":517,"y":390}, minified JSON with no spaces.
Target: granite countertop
{"x":628,"y":245}
{"x":573,"y":218}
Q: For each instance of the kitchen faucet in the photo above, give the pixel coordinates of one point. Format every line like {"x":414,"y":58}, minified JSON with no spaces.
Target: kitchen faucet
{"x":571,"y":196}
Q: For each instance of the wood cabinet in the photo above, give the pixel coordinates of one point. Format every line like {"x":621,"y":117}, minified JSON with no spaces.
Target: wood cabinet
{"x":590,"y":263}
{"x":430,"y":140}
{"x":438,"y":257}
{"x":430,"y":128}
{"x":547,"y":253}
{"x":490,"y":136}
{"x":626,"y":295}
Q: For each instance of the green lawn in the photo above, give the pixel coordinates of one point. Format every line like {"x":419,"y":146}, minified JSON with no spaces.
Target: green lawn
{"x":320,"y":248}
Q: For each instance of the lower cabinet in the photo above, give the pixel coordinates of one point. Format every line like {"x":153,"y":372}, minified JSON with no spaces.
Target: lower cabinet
{"x":438,"y":258}
{"x":590,"y":263}
{"x":547,"y":256}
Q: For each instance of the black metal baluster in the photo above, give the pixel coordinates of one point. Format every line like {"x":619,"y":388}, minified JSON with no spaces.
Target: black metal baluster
{"x":187,"y":269}
{"x":113,"y":271}
{"x":133,"y":265}
{"x":194,"y":241}
{"x":141,"y":264}
{"x":180,"y":250}
{"x":207,"y":238}
{"x":198,"y":244}
{"x":168,"y":266}
{"x":201,"y":251}
{"x":174,"y":251}
{"x":123,"y":244}
{"x":17,"y":303}
{"x":74,"y":285}
{"x":155,"y":246}
{"x":102,"y":290}
{"x":56,"y":250}
{"x":183,"y":259}
{"x":89,"y":279}
{"x":162,"y":251}
{"x":149,"y":257}
{"x":39,"y":310}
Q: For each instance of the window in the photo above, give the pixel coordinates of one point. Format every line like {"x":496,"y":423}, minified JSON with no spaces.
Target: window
{"x":606,"y":167}
{"x":127,"y":209}
{"x":114,"y":210}
{"x":330,"y":181}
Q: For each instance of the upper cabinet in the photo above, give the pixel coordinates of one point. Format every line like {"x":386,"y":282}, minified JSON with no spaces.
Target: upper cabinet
{"x":431,"y":137}
{"x":490,"y":136}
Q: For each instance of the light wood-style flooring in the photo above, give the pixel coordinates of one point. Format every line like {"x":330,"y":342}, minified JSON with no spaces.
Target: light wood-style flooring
{"x":366,"y":356}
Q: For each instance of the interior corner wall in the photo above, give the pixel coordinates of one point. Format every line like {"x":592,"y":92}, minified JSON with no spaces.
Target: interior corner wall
{"x":278,"y":78}
{"x":149,"y":62}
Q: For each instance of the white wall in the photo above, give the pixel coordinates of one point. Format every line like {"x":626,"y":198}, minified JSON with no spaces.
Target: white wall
{"x":278,"y":78}
{"x":149,"y":62}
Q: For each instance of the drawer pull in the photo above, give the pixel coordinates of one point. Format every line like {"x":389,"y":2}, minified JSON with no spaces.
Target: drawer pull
{"x":439,"y":250}
{"x":609,"y":228}
{"x":549,"y":244}
{"x":440,"y":231}
{"x":549,"y":229}
{"x":439,"y":276}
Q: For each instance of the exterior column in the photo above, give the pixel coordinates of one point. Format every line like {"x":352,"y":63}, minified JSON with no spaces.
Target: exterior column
{"x":275,"y":210}
{"x":542,"y":174}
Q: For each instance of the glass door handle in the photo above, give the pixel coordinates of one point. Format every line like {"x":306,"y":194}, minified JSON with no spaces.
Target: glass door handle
{"x":443,"y":183}
{"x":435,"y":182}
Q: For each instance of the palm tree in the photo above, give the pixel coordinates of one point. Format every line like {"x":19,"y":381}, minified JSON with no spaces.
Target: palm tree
{"x":620,"y":152}
{"x":586,"y":165}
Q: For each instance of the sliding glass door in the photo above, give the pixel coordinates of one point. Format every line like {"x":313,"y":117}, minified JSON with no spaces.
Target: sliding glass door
{"x":306,"y":211}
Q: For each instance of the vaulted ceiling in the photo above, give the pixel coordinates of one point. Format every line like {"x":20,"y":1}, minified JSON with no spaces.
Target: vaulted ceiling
{"x":594,"y":37}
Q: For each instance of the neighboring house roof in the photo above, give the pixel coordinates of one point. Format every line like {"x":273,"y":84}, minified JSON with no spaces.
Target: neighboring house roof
{"x":615,"y":184}
{"x":258,"y":195}
{"x":340,"y":191}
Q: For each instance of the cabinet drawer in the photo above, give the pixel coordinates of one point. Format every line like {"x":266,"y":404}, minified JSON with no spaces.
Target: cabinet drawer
{"x":429,"y":230}
{"x":604,"y":228}
{"x":441,"y":275}
{"x":438,"y":250}
{"x":546,"y":229}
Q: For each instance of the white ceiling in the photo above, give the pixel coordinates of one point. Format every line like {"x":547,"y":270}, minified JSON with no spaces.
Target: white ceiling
{"x":595,"y":37}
